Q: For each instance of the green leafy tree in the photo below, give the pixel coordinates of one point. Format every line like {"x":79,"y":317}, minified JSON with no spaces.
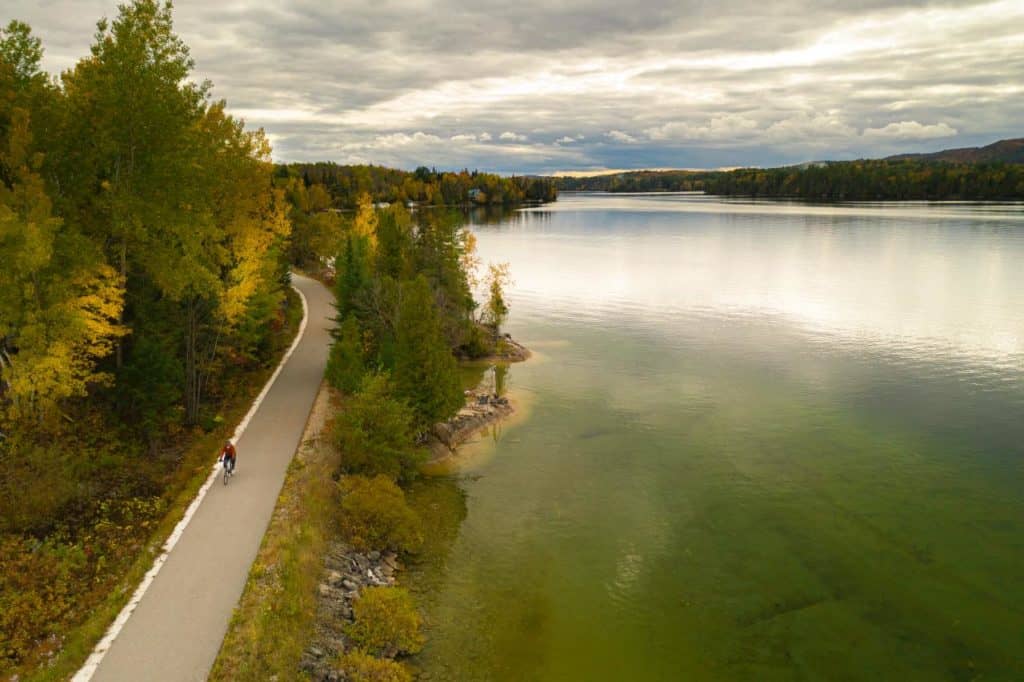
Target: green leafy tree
{"x":496,"y":309}
{"x":58,"y":304}
{"x":426,"y":375}
{"x":346,"y":364}
{"x":375,"y":433}
{"x":177,"y":191}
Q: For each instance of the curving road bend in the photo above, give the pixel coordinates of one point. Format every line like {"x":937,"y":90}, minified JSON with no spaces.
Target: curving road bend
{"x":176,"y":630}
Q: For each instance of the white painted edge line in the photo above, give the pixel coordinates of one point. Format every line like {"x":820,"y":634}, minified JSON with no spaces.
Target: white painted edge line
{"x":103,"y":646}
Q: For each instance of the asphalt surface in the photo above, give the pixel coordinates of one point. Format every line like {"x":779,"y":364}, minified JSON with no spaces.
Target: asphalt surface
{"x":176,"y":630}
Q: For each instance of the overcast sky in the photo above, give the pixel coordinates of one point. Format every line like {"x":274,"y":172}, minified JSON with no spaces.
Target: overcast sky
{"x":543,"y":86}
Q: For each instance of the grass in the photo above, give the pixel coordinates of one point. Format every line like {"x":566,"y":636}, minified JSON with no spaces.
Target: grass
{"x":79,"y":642}
{"x":276,"y":617}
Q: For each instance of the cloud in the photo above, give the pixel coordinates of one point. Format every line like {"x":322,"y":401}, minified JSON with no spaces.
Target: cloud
{"x":718,"y":128}
{"x":619,"y":136}
{"x":404,"y":140}
{"x":812,"y":129}
{"x":911,"y":130}
{"x":684,"y":83}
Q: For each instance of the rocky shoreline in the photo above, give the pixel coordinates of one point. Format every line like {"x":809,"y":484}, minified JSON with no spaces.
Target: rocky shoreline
{"x":510,"y":350}
{"x":481,"y":410}
{"x":483,"y":407}
{"x":346,"y":573}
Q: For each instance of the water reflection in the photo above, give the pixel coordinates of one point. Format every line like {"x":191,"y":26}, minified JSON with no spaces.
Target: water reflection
{"x":782,"y":443}
{"x":909,"y":276}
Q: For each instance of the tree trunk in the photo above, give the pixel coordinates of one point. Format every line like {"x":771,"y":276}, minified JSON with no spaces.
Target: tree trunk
{"x":119,"y":356}
{"x":191,"y":362}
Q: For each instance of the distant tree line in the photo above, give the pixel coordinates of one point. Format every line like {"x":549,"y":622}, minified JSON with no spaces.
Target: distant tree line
{"x":876,"y":180}
{"x":885,"y":179}
{"x":345,"y":184}
{"x":637,"y":181}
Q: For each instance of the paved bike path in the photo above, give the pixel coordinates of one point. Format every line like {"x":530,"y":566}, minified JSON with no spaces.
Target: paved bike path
{"x":176,"y":630}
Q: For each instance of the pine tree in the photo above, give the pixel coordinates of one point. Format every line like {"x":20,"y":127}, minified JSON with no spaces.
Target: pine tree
{"x":346,"y":364}
{"x":426,"y":375}
{"x":352,"y":275}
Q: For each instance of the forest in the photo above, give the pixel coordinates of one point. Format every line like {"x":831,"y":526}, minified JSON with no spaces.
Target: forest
{"x":637,"y":181}
{"x":863,"y":180}
{"x":876,"y":180}
{"x":345,"y":184}
{"x":146,"y":239}
{"x":142,"y":298}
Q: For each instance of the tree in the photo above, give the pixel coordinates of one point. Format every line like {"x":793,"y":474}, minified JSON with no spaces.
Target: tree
{"x":352,"y":275}
{"x":375,"y":433}
{"x":496,"y":310}
{"x":346,"y":365}
{"x":426,"y":375}
{"x":365,"y":222}
{"x":177,"y":191}
{"x":22,"y":52}
{"x":440,"y":249}
{"x":394,"y":242}
{"x":58,"y":303}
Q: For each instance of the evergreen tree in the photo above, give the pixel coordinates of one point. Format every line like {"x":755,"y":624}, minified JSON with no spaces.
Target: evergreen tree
{"x":352,"y":275}
{"x":426,"y":375}
{"x":346,"y":364}
{"x":375,"y":432}
{"x":394,"y":242}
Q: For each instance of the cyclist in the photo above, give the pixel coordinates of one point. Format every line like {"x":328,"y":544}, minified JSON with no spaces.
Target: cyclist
{"x":228,"y":456}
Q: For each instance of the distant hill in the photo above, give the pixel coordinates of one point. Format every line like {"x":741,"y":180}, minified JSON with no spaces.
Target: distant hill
{"x":971,"y":173}
{"x":1006,"y":151}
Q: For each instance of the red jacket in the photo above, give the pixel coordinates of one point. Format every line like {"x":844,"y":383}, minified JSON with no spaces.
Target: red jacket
{"x":228,"y":450}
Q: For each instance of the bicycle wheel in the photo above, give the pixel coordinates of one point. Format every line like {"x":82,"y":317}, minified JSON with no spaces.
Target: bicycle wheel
{"x":227,"y":473}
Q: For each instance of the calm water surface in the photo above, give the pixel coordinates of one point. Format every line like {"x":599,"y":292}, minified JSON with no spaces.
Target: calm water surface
{"x":763,"y":441}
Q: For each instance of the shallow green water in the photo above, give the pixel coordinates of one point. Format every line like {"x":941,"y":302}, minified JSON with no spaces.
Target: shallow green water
{"x":765,"y":442}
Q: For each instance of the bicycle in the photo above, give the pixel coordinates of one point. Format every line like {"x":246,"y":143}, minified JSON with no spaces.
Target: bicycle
{"x":229,"y":471}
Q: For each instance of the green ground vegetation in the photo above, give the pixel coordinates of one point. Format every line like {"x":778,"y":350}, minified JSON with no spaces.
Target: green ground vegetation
{"x":386,"y":622}
{"x":375,"y":515}
{"x":362,"y":667}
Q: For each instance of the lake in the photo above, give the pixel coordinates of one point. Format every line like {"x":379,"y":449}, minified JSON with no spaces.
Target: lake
{"x":757,"y":441}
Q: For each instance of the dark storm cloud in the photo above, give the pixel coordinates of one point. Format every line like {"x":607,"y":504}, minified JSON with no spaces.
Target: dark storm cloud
{"x":531,"y":86}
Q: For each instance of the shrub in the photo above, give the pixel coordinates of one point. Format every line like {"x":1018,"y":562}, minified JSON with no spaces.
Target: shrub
{"x":361,"y":667}
{"x":376,"y":516}
{"x":386,"y":622}
{"x":38,"y":586}
{"x":375,"y":433}
{"x":479,"y":342}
